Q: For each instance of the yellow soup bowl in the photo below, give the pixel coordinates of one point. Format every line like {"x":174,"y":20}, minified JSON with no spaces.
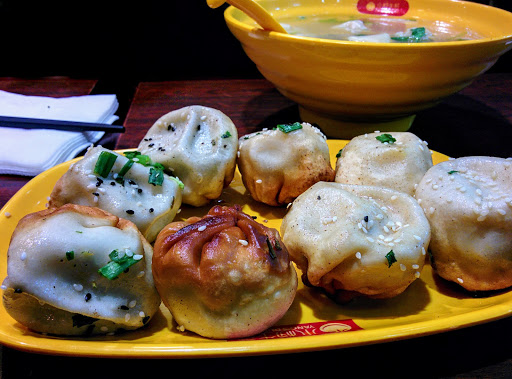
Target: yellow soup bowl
{"x":348,"y":88}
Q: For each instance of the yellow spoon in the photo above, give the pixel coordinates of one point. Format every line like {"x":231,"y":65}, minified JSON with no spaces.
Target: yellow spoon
{"x":253,"y":10}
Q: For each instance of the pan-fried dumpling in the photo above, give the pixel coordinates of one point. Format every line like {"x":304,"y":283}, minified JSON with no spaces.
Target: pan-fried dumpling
{"x":198,"y":144}
{"x":355,"y":240}
{"x":78,"y":270}
{"x":468,"y":202}
{"x":223,"y":275}
{"x":278,"y":165}
{"x":143,"y":194}
{"x":397,"y":161}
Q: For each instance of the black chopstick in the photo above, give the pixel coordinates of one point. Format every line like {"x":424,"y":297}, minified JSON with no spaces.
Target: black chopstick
{"x":39,"y":123}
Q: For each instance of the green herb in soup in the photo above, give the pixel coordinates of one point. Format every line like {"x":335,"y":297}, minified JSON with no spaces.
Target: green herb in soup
{"x":376,"y":29}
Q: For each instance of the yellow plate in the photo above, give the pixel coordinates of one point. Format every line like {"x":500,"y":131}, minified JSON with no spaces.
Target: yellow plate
{"x":313,"y":322}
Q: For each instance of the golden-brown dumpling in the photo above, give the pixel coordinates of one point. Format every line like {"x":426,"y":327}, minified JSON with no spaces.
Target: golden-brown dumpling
{"x":198,"y":145}
{"x":278,"y":165}
{"x":468,"y":202}
{"x":223,"y":275}
{"x":396,"y":160}
{"x":354,"y":240}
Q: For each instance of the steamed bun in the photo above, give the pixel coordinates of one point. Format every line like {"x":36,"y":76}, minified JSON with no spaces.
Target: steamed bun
{"x":278,"y":165}
{"x":355,"y":240}
{"x":197,"y":144}
{"x":223,"y":275}
{"x":468,"y":202}
{"x":397,"y":161}
{"x":129,"y":196}
{"x":54,"y":284}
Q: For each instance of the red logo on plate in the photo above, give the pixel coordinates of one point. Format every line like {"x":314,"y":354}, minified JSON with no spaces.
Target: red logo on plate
{"x":310,"y":329}
{"x":383,"y":7}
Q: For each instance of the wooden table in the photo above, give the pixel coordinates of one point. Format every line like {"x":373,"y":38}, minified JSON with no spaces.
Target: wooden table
{"x":477,"y":121}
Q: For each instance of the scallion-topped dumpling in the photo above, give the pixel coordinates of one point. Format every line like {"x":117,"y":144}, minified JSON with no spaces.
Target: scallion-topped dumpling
{"x":78,"y":270}
{"x":396,"y":160}
{"x":468,"y":202}
{"x":197,"y":144}
{"x":130,"y":187}
{"x":277,"y":165}
{"x":355,"y":240}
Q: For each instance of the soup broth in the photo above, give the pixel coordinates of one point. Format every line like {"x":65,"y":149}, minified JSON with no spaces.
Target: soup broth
{"x":375,"y":29}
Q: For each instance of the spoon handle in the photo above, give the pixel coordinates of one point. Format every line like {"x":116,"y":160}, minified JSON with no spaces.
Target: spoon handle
{"x":253,"y":10}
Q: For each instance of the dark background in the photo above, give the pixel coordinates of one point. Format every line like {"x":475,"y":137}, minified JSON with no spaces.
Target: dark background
{"x":128,"y":41}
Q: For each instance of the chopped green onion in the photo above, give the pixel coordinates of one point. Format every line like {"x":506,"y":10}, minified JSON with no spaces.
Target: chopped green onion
{"x":105,"y":163}
{"x":386,"y":138}
{"x":132,"y":154}
{"x":128,"y":165}
{"x":180,"y":183}
{"x":391,"y":258}
{"x":226,"y":135}
{"x":156,"y":176}
{"x":339,"y":153}
{"x":70,"y":255}
{"x":452,"y":172}
{"x":116,"y":265}
{"x":287,"y":128}
{"x":417,"y":35}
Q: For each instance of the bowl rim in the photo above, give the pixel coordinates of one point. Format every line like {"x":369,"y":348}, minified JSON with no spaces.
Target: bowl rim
{"x":507,"y":39}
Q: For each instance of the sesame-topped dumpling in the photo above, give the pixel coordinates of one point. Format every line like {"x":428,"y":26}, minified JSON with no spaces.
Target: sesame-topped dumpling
{"x":468,"y":202}
{"x":197,"y":144}
{"x":355,"y":240}
{"x":123,"y":186}
{"x":223,"y":275}
{"x":397,"y":161}
{"x":278,"y":165}
{"x":78,"y":270}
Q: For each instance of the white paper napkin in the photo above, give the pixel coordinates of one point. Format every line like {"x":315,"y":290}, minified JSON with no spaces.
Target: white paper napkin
{"x":29,"y":152}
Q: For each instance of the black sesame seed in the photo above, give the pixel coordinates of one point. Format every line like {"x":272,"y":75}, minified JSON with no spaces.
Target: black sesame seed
{"x":18,"y":290}
{"x":145,"y":320}
{"x":198,"y":127}
{"x":365,"y":218}
{"x":99,"y":182}
{"x":318,"y":197}
{"x":112,"y":183}
{"x":88,"y":296}
{"x":130,"y":211}
{"x":171,"y":128}
{"x":131,"y":182}
{"x":124,"y":308}
{"x":139,"y":190}
{"x":95,"y":193}
{"x":151,"y":145}
{"x":151,"y":210}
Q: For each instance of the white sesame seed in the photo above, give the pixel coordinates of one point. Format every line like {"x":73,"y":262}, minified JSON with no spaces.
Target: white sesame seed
{"x":138,"y":257}
{"x":141,"y":274}
{"x":415,"y":266}
{"x":104,"y":329}
{"x":23,"y":256}
{"x":78,"y":287}
{"x":127,"y":317}
{"x":201,"y":228}
{"x":358,"y":255}
{"x":402,"y":267}
{"x":7,"y":214}
{"x":417,"y":237}
{"x":460,"y":280}
{"x":417,"y":274}
{"x":393,"y":197}
{"x":423,"y":252}
{"x":259,"y":181}
{"x":243,"y":242}
{"x":370,"y":239}
{"x":132,"y":303}
{"x":142,"y":314}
